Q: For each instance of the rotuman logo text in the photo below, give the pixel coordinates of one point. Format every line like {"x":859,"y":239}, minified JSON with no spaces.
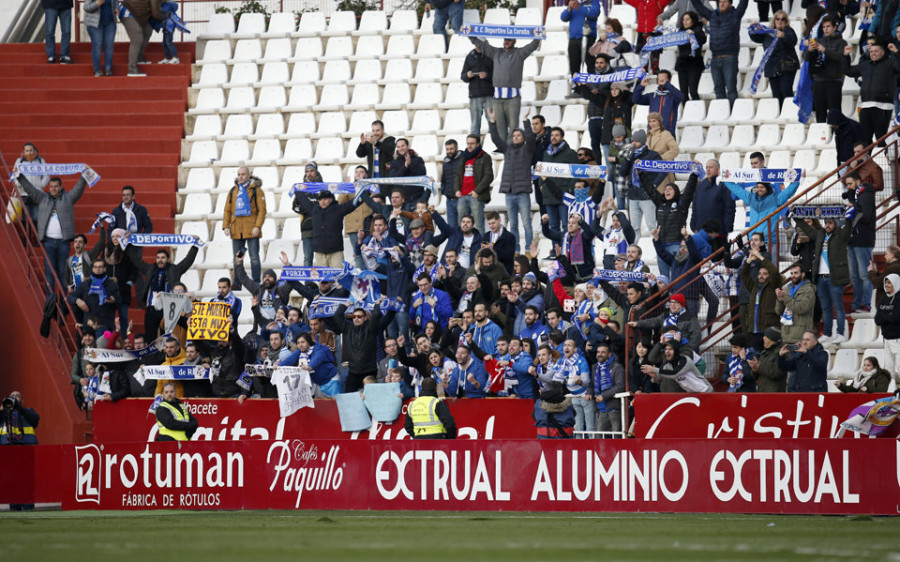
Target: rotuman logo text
{"x":133,"y":475}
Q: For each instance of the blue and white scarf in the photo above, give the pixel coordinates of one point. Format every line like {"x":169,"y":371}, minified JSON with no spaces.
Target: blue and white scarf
{"x":803,"y":96}
{"x":615,"y":276}
{"x":432,"y":273}
{"x":584,"y":307}
{"x":672,"y":319}
{"x":626,"y":75}
{"x":561,"y":170}
{"x":242,"y":201}
{"x":372,"y":184}
{"x":670,"y":39}
{"x":43,"y":169}
{"x":227,"y":299}
{"x":736,"y":370}
{"x":580,"y":202}
{"x":553,"y":150}
{"x":666,"y":167}
{"x":484,"y":30}
{"x":108,"y":218}
{"x":817,"y":212}
{"x":759,"y":29}
{"x":315,"y":274}
{"x":78,"y":269}
{"x":172,"y":372}
{"x":316,"y":187}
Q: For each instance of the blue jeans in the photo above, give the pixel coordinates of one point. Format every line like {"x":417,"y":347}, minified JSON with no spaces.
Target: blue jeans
{"x":671,"y":249}
{"x":454,"y":13}
{"x":831,"y":296}
{"x":477,"y":107}
{"x":57,"y":254}
{"x":519,"y":206}
{"x":639,"y":210}
{"x":65,"y":26}
{"x":252,"y":245}
{"x":585,"y":415}
{"x":724,"y":74}
{"x":558,"y":214}
{"x":307,"y":251}
{"x":102,"y":39}
{"x":859,"y":259}
{"x":169,"y":45}
{"x":357,"y":256}
{"x":470,"y":205}
{"x":452,"y":213}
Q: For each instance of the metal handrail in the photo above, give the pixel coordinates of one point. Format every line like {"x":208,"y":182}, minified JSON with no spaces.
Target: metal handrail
{"x":716,"y":257}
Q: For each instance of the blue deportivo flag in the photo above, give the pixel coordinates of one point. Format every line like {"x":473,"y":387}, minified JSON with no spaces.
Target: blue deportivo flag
{"x":155,"y":404}
{"x":670,"y":39}
{"x":561,"y":170}
{"x":316,"y":187}
{"x":372,"y":184}
{"x":873,"y":417}
{"x":325,"y":307}
{"x":666,"y":167}
{"x":615,"y":275}
{"x":626,"y":75}
{"x":803,"y":97}
{"x":489,"y":31}
{"x":135,"y":239}
{"x":759,"y":29}
{"x":315,"y":274}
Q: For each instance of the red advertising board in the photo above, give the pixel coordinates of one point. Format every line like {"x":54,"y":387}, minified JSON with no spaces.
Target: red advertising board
{"x":691,"y":475}
{"x":746,"y":415}
{"x":225,"y":419}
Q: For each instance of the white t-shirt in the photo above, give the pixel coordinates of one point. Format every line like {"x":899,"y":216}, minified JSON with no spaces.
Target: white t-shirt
{"x":54,"y":229}
{"x":465,"y":252}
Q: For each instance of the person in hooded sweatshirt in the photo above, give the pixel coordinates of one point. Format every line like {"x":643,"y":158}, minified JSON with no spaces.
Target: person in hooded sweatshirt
{"x":553,"y":413}
{"x":762,"y":200}
{"x":888,"y":317}
{"x":680,"y":368}
{"x":846,"y":133}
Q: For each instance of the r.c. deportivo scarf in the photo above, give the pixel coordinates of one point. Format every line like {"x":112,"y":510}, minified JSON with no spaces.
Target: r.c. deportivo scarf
{"x":242,"y":201}
{"x":552,"y":150}
{"x":736,"y":370}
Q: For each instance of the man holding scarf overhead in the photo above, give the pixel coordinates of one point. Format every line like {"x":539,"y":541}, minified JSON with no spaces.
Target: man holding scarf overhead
{"x":575,"y":243}
{"x":98,"y":295}
{"x":725,"y":43}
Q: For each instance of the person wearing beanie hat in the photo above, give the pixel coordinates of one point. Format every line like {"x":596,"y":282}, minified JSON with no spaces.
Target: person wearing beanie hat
{"x":553,"y":413}
{"x":678,"y":316}
{"x":618,"y":130}
{"x":311,"y":166}
{"x":769,"y":376}
{"x":270,"y":295}
{"x":428,"y":417}
{"x":639,"y":136}
{"x":327,"y":222}
{"x":613,"y":138}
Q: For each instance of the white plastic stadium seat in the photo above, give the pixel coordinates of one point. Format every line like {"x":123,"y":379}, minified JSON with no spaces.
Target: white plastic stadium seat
{"x":218,"y":50}
{"x":203,"y":152}
{"x":206,"y":126}
{"x":247,"y":50}
{"x":342,"y":22}
{"x":308,"y":48}
{"x":238,"y":126}
{"x":864,"y":333}
{"x":369,"y":47}
{"x":220,"y":25}
{"x":312,"y":23}
{"x":403,"y":21}
{"x":278,"y":49}
{"x":281,"y":23}
{"x":373,"y":22}
{"x":213,"y":74}
{"x":251,"y":24}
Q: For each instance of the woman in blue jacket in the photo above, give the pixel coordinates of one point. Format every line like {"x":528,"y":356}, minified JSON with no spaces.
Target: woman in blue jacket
{"x":761,"y":201}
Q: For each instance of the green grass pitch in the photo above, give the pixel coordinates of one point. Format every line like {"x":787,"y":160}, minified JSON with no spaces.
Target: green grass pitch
{"x":432,"y":536}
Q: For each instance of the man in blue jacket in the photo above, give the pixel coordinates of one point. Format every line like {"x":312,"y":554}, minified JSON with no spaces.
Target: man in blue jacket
{"x":469,"y":377}
{"x":810,"y":362}
{"x":319,"y":359}
{"x":484,"y":331}
{"x":665,"y":100}
{"x":429,"y":303}
{"x":131,"y":216}
{"x":725,"y":43}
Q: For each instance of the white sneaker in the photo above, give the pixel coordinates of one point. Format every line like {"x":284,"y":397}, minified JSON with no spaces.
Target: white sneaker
{"x":838,"y":339}
{"x":136,"y":74}
{"x":825,"y":340}
{"x":174,"y":60}
{"x":164,"y":61}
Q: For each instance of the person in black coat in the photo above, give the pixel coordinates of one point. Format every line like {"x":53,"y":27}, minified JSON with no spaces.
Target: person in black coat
{"x":861,"y":197}
{"x":878,"y":85}
{"x":847,"y":133}
{"x":327,"y":224}
{"x":576,"y":243}
{"x":98,"y":295}
{"x":783,"y":64}
{"x":378,"y":143}
{"x":477,"y":71}
{"x":360,"y":342}
{"x":689,"y":63}
{"x":160,"y":276}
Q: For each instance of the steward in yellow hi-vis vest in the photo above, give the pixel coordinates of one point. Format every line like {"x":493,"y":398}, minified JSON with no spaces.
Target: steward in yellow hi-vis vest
{"x":173,"y":419}
{"x":429,"y":418}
